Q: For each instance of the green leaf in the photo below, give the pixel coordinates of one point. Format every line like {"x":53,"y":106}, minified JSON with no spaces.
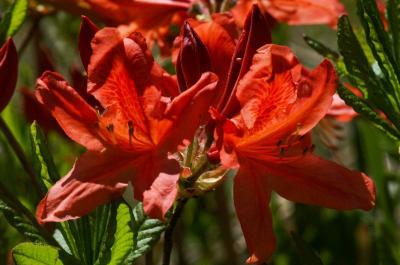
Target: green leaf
{"x":378,"y":41}
{"x":47,"y":170}
{"x":37,"y":254}
{"x":104,"y":224}
{"x":357,"y":65}
{"x":321,"y":48}
{"x":307,"y":255}
{"x":360,"y":73}
{"x":13,"y":19}
{"x":123,"y":244}
{"x":147,"y":231}
{"x":21,"y":223}
{"x":21,"y":218}
{"x":361,"y":107}
{"x":129,"y":236}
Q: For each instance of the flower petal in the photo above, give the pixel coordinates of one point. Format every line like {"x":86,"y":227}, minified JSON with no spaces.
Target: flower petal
{"x":188,"y":111}
{"x":77,"y":118}
{"x":146,"y":13}
{"x":256,"y":33}
{"x":252,"y":197}
{"x":312,"y":180}
{"x":90,"y":183}
{"x":300,"y":99}
{"x":86,"y":34}
{"x":163,"y":191}
{"x":340,"y":111}
{"x":8,"y":72}
{"x":305,"y":12}
{"x":220,"y":46}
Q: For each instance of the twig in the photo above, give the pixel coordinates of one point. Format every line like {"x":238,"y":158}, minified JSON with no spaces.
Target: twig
{"x":170,"y":229}
{"x":149,"y":258}
{"x":21,"y":156}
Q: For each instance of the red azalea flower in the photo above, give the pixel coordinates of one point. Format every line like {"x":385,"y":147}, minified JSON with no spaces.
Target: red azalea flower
{"x":8,"y":72}
{"x":294,"y":12}
{"x":273,"y":103}
{"x":143,"y":120}
{"x":269,"y":141}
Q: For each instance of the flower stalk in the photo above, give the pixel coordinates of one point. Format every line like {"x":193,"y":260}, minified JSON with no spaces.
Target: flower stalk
{"x":168,"y":236}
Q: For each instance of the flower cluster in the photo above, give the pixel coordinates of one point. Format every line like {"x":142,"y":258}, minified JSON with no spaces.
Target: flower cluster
{"x":250,"y":105}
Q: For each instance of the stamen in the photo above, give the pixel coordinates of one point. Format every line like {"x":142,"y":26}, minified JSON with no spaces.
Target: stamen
{"x":110,"y":128}
{"x":130,"y":131}
{"x":298,"y":128}
{"x":282,"y":151}
{"x":305,"y":150}
{"x":238,"y":59}
{"x":98,"y":111}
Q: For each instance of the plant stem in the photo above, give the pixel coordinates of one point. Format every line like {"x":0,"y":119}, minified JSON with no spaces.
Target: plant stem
{"x":170,"y":229}
{"x":149,"y":258}
{"x":21,"y":156}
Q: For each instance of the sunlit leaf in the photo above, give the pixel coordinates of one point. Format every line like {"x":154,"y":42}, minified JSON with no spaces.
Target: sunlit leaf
{"x":321,"y":48}
{"x":147,"y":231}
{"x":13,"y":19}
{"x":37,"y":254}
{"x":48,"y":172}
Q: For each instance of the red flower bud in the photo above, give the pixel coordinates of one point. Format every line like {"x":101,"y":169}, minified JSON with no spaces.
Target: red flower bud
{"x":193,"y":58}
{"x":8,"y":72}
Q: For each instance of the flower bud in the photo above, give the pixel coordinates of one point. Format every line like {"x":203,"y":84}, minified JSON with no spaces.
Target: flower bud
{"x":8,"y":72}
{"x":193,"y":59}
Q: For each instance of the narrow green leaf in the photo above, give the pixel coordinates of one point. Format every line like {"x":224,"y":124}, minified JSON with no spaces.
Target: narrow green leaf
{"x":21,"y":223}
{"x":360,"y":73}
{"x":48,"y":171}
{"x":13,"y":19}
{"x":356,"y":62}
{"x":21,"y":218}
{"x":38,"y":254}
{"x":147,"y":231}
{"x":103,"y":231}
{"x":307,"y":255}
{"x":378,"y":41}
{"x":321,"y":48}
{"x":361,"y":107}
{"x":123,"y":237}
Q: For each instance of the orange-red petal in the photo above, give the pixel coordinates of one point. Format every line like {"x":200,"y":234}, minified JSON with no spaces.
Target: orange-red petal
{"x":220,"y":46}
{"x":252,"y":197}
{"x":255,"y":34}
{"x":305,"y":12}
{"x":90,"y":183}
{"x":86,"y":34}
{"x":188,"y":111}
{"x":161,"y":195}
{"x":312,"y":180}
{"x":301,"y":98}
{"x":77,"y":118}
